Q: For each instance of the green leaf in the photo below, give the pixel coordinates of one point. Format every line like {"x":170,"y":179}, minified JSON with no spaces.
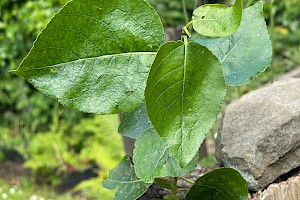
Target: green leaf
{"x":123,"y":177}
{"x":152,"y":158}
{"x":135,"y":123}
{"x":216,"y":20}
{"x":184,"y":93}
{"x":95,"y":55}
{"x":247,"y":52}
{"x":219,"y":184}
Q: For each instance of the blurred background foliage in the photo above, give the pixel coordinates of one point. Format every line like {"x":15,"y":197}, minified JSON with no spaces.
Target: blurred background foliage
{"x":54,"y":142}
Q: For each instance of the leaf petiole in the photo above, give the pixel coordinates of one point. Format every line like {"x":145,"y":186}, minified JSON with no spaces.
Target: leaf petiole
{"x":185,"y":30}
{"x":174,"y":186}
{"x":189,"y":24}
{"x":187,"y":180}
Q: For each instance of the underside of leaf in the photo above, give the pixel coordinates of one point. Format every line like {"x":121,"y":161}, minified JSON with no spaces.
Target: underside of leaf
{"x":135,"y":123}
{"x":153,"y":159}
{"x":123,"y":177}
{"x":247,"y":52}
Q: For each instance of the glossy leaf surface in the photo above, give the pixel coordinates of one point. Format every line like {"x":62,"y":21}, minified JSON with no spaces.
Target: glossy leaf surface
{"x":247,"y":52}
{"x":219,"y":184}
{"x":216,"y":20}
{"x":123,"y":177}
{"x":95,"y":55}
{"x":152,"y":158}
{"x":184,"y":93}
{"x":135,"y":123}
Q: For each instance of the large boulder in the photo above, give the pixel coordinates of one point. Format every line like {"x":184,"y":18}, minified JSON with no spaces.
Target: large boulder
{"x":260,"y":133}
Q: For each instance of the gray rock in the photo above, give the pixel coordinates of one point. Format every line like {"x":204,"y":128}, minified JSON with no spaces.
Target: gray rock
{"x":260,"y":133}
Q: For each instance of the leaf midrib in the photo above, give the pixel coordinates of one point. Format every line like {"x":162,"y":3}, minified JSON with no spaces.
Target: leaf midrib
{"x":124,"y":182}
{"x":183,"y":88}
{"x":90,"y":58}
{"x":231,"y":50}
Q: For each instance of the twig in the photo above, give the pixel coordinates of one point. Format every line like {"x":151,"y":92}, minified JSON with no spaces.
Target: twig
{"x":185,"y":11}
{"x":187,"y":180}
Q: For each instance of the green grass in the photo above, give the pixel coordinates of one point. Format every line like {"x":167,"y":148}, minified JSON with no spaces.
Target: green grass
{"x":28,"y":191}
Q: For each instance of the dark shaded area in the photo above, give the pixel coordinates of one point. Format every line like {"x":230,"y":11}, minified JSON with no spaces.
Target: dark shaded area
{"x":12,"y":171}
{"x":12,"y":155}
{"x":288,"y":175}
{"x":155,"y":192}
{"x":70,"y":180}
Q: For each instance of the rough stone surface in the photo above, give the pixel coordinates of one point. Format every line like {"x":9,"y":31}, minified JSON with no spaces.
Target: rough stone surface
{"x":286,"y":190}
{"x":260,"y":134}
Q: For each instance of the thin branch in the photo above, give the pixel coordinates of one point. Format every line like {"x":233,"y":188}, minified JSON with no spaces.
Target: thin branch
{"x":186,"y":180}
{"x":174,"y":186}
{"x":185,"y":11}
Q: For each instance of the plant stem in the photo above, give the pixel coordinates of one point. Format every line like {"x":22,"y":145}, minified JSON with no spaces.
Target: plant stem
{"x":189,"y":24}
{"x":55,"y":118}
{"x":185,"y":30}
{"x":187,"y":180}
{"x":212,"y":134}
{"x":174,"y":186}
{"x":185,"y":40}
{"x":271,"y":36}
{"x":239,"y":91}
{"x":185,"y":11}
{"x":58,"y":154}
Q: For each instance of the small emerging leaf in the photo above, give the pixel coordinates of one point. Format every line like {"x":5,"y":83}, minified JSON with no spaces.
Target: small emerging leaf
{"x":184,"y":93}
{"x":123,"y":177}
{"x":152,"y":158}
{"x":135,"y":123}
{"x":163,"y":182}
{"x":219,"y":184}
{"x":216,"y":20}
{"x":172,"y":197}
{"x":95,"y":55}
{"x":247,"y":52}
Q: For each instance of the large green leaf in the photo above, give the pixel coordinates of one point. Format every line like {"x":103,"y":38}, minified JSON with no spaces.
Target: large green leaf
{"x":216,"y":20}
{"x":219,"y":184}
{"x":184,"y":93}
{"x":123,"y":177}
{"x":152,"y":158}
{"x":95,"y":55}
{"x":135,"y":123}
{"x":247,"y":52}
